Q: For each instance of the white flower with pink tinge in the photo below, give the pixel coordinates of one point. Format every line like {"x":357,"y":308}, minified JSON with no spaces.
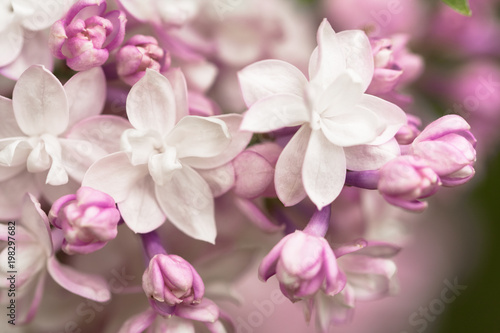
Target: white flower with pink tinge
{"x":336,"y":117}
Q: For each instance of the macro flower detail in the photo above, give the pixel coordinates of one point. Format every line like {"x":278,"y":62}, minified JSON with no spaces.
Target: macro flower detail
{"x":137,"y":54}
{"x":170,"y":280}
{"x":88,"y":219}
{"x":405,"y":180}
{"x":334,"y":114}
{"x":154,"y":177}
{"x":86,"y":35}
{"x":448,"y":147}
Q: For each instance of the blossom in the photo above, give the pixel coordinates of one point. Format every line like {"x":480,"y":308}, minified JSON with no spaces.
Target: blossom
{"x":155,"y":176}
{"x":448,"y":146}
{"x":88,"y":219}
{"x":334,"y":114}
{"x":406,"y":179}
{"x":36,"y":248}
{"x":170,"y":280}
{"x":51,"y":134}
{"x":170,"y":13}
{"x":85,"y":36}
{"x":137,"y":54}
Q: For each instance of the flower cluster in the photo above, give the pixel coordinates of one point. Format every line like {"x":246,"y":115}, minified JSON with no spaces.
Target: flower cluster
{"x":171,"y":136}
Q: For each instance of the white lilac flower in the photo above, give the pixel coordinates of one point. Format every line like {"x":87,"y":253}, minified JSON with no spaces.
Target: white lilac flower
{"x":335,"y":115}
{"x":50,"y":134}
{"x":155,"y":175}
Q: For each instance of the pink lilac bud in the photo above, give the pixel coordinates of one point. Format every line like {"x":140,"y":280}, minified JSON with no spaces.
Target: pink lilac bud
{"x":405,"y":180}
{"x":88,"y":219}
{"x":448,"y":147}
{"x":139,"y":53}
{"x":86,"y":35}
{"x":410,"y":131}
{"x":394,"y":64}
{"x":170,"y":280}
{"x":304,"y":262}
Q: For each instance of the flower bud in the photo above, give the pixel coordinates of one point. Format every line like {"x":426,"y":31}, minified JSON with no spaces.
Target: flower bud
{"x":88,"y":218}
{"x":448,"y":147}
{"x":170,"y":280}
{"x":410,"y":131}
{"x":303,"y":264}
{"x":139,"y":53}
{"x":86,"y":35}
{"x":406,"y":179}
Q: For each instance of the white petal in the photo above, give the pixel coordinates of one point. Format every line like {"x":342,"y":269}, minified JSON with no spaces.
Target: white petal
{"x":14,"y":151}
{"x":151,"y":103}
{"x":86,"y":92}
{"x":358,"y":54}
{"x":354,"y":127}
{"x":140,"y":210}
{"x":179,"y":85}
{"x":78,"y":155}
{"x":44,"y":13}
{"x":239,"y":141}
{"x":274,"y":112}
{"x":200,"y":75}
{"x":34,"y":51}
{"x":188,"y":203}
{"x":9,"y":172}
{"x":103,"y":131}
{"x":270,"y":77}
{"x":288,"y":176}
{"x":219,"y":179}
{"x":327,"y":61}
{"x":324,"y":170}
{"x":89,"y":286}
{"x":12,"y":193}
{"x":40,"y":103}
{"x":195,"y":136}
{"x":57,"y":174}
{"x":143,"y":11}
{"x":345,"y":92}
{"x":114,"y":175}
{"x":8,"y":125}
{"x":11,"y":43}
{"x":390,"y":114}
{"x":368,"y":157}
{"x":35,"y":221}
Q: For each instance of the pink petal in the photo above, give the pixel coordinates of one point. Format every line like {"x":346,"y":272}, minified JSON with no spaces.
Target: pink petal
{"x":443,"y":126}
{"x":11,"y":44}
{"x":288,"y":176}
{"x":86,"y":92}
{"x":118,"y":19}
{"x":140,"y":210}
{"x":34,"y":52}
{"x":327,"y":61}
{"x":151,"y":103}
{"x":103,"y":131}
{"x":220,"y":179}
{"x":8,"y":125}
{"x":390,"y":114}
{"x":324,"y":170}
{"x":139,"y":322}
{"x":206,"y":311}
{"x":270,"y":77}
{"x":40,"y":103}
{"x":239,"y":141}
{"x":274,"y":112}
{"x":434,"y":151}
{"x":188,"y":203}
{"x":114,"y":175}
{"x":267,"y":267}
{"x":36,"y":221}
{"x":368,"y":157}
{"x":195,"y":136}
{"x":31,"y":299}
{"x":254,"y":174}
{"x":358,"y":54}
{"x":89,"y":286}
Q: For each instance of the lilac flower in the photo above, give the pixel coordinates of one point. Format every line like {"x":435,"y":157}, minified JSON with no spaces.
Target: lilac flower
{"x":36,"y":249}
{"x":405,"y":180}
{"x":303,"y":264}
{"x":51,"y":134}
{"x":88,"y":219}
{"x":154,"y":178}
{"x":334,"y":113}
{"x":137,"y":54}
{"x":170,"y":13}
{"x":85,"y":36}
{"x":410,"y":131}
{"x":170,"y":280}
{"x":447,"y":145}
